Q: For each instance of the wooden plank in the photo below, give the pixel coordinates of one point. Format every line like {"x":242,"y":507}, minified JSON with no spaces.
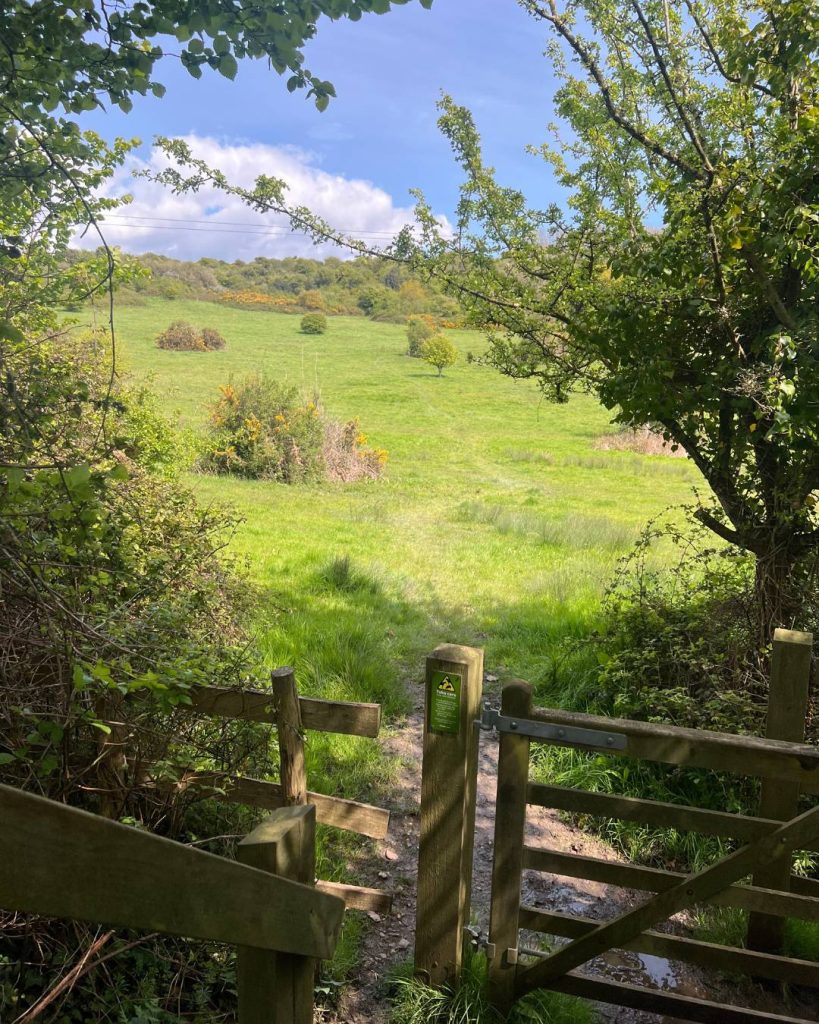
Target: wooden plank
{"x":358,"y":897}
{"x":349,"y":815}
{"x":291,"y":737}
{"x":507,"y":862}
{"x":448,"y":789}
{"x":787,"y":711}
{"x":690,"y":890}
{"x":653,"y":812}
{"x":349,"y":717}
{"x":630,"y":876}
{"x":651,"y":1000}
{"x":63,"y":862}
{"x":277,"y":988}
{"x":669,"y":744}
{"x":731,"y":959}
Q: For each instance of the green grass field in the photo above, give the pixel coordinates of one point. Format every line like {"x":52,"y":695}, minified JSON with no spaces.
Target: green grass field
{"x":498,"y":523}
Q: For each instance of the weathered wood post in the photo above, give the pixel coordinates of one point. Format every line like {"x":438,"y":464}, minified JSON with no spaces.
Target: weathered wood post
{"x":277,"y":988}
{"x":291,"y":736}
{"x":507,"y":864}
{"x":787,"y":712}
{"x":454,"y":686}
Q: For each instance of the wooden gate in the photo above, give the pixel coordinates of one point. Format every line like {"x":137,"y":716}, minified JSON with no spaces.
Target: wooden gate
{"x":786,"y":768}
{"x":757,"y":877}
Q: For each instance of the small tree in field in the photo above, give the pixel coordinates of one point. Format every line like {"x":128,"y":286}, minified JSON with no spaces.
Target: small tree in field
{"x":439,"y":352}
{"x":313,"y":323}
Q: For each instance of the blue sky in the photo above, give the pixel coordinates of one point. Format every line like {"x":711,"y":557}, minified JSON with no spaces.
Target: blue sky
{"x":388,"y":71}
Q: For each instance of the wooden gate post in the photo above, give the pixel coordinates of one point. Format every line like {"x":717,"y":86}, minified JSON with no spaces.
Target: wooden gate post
{"x":291,"y":736}
{"x":454,"y":686}
{"x":787,"y":712}
{"x":277,"y":988}
{"x":507,"y":864}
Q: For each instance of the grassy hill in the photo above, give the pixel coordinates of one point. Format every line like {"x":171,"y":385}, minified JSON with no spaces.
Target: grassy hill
{"x":498,"y":522}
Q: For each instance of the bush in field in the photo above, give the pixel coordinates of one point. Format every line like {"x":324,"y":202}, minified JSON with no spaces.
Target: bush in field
{"x":439,"y":352}
{"x":313,"y":323}
{"x":419,"y":329}
{"x":263,"y":430}
{"x":347,"y":456}
{"x":212,"y":339}
{"x":180,"y":336}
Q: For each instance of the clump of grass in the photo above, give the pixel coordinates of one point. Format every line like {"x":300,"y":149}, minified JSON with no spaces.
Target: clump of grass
{"x":417,"y":1003}
{"x":526,"y":455}
{"x":551,"y":1008}
{"x":801,"y":939}
{"x":574,"y":531}
{"x":340,"y":574}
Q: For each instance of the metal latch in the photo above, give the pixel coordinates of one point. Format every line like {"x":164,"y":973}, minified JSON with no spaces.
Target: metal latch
{"x":568,"y":735}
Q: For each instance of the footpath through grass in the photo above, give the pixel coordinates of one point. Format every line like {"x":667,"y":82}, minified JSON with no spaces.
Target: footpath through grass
{"x":498,"y":523}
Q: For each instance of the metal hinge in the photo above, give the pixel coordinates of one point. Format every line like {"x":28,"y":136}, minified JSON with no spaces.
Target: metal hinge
{"x":568,"y":735}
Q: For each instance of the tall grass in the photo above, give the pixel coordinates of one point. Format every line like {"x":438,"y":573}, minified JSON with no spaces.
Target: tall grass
{"x":417,"y":1003}
{"x":575,"y":530}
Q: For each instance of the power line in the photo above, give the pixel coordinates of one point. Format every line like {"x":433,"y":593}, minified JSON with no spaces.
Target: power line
{"x":117,"y":220}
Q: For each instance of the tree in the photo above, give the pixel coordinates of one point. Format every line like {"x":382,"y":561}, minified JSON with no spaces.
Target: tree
{"x":439,"y":352}
{"x":680,"y":283}
{"x":419,"y":330}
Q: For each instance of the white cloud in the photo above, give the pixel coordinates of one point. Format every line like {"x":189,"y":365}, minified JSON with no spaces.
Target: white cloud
{"x":210,"y":223}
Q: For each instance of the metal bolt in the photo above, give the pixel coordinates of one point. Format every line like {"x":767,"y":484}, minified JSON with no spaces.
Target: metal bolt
{"x":561,"y":733}
{"x":609,"y":741}
{"x":513,"y":725}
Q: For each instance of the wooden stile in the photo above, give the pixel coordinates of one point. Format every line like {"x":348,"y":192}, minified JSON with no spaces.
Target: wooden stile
{"x":277,"y":988}
{"x":507,"y":863}
{"x":787,"y":712}
{"x":63,"y":862}
{"x":448,"y":789}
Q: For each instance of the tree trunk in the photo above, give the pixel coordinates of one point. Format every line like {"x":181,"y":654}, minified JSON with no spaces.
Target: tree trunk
{"x":777,"y":591}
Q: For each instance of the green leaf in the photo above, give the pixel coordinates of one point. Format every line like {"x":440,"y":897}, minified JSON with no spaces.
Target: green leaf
{"x":221,"y":44}
{"x":228,"y":66}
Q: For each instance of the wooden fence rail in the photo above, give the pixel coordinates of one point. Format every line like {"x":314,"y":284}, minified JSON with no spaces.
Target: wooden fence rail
{"x":63,"y":862}
{"x":292,"y":715}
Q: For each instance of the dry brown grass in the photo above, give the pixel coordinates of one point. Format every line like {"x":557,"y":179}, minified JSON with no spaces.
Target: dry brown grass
{"x":643,"y":441}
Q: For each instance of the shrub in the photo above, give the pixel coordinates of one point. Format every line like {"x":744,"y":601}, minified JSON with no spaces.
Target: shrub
{"x":262,"y":430}
{"x":346,"y":455}
{"x":679,"y":645}
{"x":313,"y":323}
{"x":439,"y":352}
{"x":419,"y":330}
{"x":180,"y":336}
{"x":212,"y":339}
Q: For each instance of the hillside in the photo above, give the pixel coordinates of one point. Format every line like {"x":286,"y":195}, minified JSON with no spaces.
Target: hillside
{"x":497,"y":520}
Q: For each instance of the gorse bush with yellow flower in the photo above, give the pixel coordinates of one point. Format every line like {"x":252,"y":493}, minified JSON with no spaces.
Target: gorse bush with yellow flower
{"x":263,"y":430}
